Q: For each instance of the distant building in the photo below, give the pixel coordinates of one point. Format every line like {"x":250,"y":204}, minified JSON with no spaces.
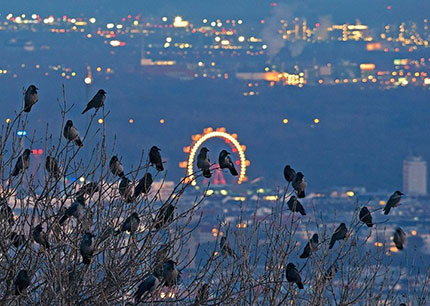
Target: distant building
{"x":415,"y":176}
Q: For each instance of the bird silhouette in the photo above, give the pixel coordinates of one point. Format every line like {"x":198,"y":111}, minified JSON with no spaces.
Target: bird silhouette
{"x":164,"y":216}
{"x":22,"y":163}
{"x":170,"y":273}
{"x":295,"y":206}
{"x":22,"y":281}
{"x":293,"y":275}
{"x":225,"y":162}
{"x":116,"y":167}
{"x":131,"y":224}
{"x":144,"y":185}
{"x":40,"y":237}
{"x":72,"y":134}
{"x":87,"y":248}
{"x":399,"y":238}
{"x":226,"y":249}
{"x":289,"y":173}
{"x":339,"y":234}
{"x":148,"y":285}
{"x":393,"y":201}
{"x":76,"y":210}
{"x":203,"y":162}
{"x":52,"y":167}
{"x":30,"y":98}
{"x":155,"y":158}
{"x":366,"y":217}
{"x":97,"y":101}
{"x":299,"y":185}
{"x":311,"y":246}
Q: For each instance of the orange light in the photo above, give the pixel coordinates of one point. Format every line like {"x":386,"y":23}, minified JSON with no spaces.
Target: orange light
{"x":131,"y":121}
{"x":162,"y":121}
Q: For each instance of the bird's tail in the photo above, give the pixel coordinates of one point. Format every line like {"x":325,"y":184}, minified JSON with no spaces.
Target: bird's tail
{"x":27,"y":109}
{"x":300,"y":285}
{"x":304,"y":255}
{"x":207,"y":173}
{"x":86,"y":260}
{"x":233,"y":171}
{"x":78,"y":142}
{"x":387,"y":210}
{"x":301,"y":194}
{"x":121,"y":174}
{"x":369,"y":224}
{"x":63,"y":219}
{"x":332,"y":241}
{"x":302,"y":211}
{"x":159,"y":166}
{"x":86,"y":110}
{"x":15,"y":172}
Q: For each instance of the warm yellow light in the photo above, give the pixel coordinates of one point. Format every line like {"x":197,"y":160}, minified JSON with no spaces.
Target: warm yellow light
{"x":99,"y":69}
{"x":350,"y":193}
{"x":100,"y":121}
{"x":414,"y":232}
{"x":285,"y":121}
{"x":8,"y":120}
{"x":162,"y":121}
{"x":241,"y":38}
{"x":316,"y":121}
{"x":88,"y":80}
{"x":216,"y":134}
{"x":131,"y":121}
{"x":209,"y":192}
{"x":381,"y":202}
{"x":378,"y":244}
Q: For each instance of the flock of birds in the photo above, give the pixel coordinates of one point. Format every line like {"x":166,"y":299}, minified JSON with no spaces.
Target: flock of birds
{"x":299,"y":185}
{"x":166,"y":272}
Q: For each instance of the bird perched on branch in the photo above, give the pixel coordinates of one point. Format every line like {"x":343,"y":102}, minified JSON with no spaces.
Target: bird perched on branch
{"x":155,"y":158}
{"x":148,"y":285}
{"x":17,"y":239}
{"x":299,"y":185}
{"x":72,"y":134}
{"x":311,"y":246}
{"x":126,"y":190}
{"x":226,"y":249}
{"x":22,"y":281}
{"x":52,"y":167}
{"x":164,"y":216}
{"x":30,"y":98}
{"x":289,"y":173}
{"x":116,"y":167}
{"x":295,"y":206}
{"x":89,"y":189}
{"x":6,"y":213}
{"x":293,"y":275}
{"x":144,"y":185}
{"x":87,"y":248}
{"x":399,"y":238}
{"x":203,"y":162}
{"x":22,"y":163}
{"x":131,"y":224}
{"x":393,"y":201}
{"x":339,"y":234}
{"x":331,"y":272}
{"x":366,"y":217}
{"x":225,"y":162}
{"x":170,"y":273}
{"x":202,"y":295}
{"x":40,"y":237}
{"x":97,"y":101}
{"x":76,"y":210}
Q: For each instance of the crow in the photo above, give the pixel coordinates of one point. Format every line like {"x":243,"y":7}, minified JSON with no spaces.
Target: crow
{"x":148,"y":285}
{"x":52,"y":167}
{"x":203,"y":162}
{"x":30,"y":98}
{"x":87,"y":248}
{"x":293,"y":275}
{"x":295,"y":206}
{"x":339,"y":234}
{"x":97,"y":101}
{"x":226,"y":250}
{"x":76,"y":210}
{"x":144,"y":185}
{"x":164,"y":216}
{"x":366,"y":217}
{"x":40,"y":237}
{"x":116,"y":167}
{"x":155,"y":158}
{"x":299,"y":185}
{"x":72,"y":134}
{"x":393,"y":201}
{"x":289,"y":173}
{"x":22,"y":281}
{"x":225,"y":162}
{"x":399,"y":238}
{"x":22,"y":163}
{"x":170,"y":273}
{"x":311,"y":246}
{"x":131,"y":224}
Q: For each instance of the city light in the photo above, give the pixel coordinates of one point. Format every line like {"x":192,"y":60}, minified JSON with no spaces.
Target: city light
{"x":316,"y":121}
{"x":162,"y":121}
{"x":8,"y":120}
{"x":285,"y":121}
{"x":100,"y":121}
{"x":21,"y":133}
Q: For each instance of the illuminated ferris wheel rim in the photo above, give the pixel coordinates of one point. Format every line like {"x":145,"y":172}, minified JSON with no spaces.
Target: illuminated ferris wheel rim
{"x":216,"y":134}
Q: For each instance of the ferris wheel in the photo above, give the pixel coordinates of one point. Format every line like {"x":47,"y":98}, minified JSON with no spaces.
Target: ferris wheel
{"x":230,"y":139}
